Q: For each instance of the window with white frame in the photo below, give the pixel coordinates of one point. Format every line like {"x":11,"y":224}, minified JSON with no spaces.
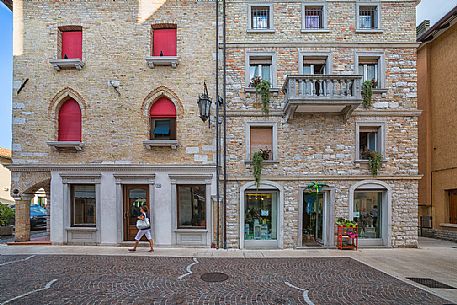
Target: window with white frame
{"x":368,"y":17}
{"x":370,"y":69}
{"x":260,"y":17}
{"x":313,"y":17}
{"x":260,"y":67}
{"x":369,"y":140}
{"x":314,"y":65}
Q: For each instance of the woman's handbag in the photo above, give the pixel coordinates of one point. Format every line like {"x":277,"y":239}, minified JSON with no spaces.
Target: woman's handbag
{"x":143,"y":224}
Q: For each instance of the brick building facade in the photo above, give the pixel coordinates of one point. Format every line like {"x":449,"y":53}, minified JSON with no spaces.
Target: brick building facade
{"x":315,"y":55}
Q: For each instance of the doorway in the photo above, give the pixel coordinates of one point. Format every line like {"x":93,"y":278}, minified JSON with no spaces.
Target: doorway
{"x":135,"y":196}
{"x":313,"y":219}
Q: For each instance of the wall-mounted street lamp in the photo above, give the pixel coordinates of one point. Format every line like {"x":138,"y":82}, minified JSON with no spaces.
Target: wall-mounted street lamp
{"x":204,"y":105}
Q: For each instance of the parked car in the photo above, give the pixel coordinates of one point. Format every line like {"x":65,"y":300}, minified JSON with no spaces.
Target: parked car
{"x":38,"y":217}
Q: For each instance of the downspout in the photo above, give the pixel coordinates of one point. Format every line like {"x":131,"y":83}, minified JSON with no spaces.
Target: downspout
{"x":217,"y":127}
{"x":224,"y":46}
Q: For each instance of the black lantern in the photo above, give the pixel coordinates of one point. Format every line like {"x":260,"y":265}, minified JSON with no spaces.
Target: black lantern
{"x":204,"y":104}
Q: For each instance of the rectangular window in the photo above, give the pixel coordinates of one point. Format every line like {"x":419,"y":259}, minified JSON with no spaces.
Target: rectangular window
{"x":260,"y":18}
{"x":369,"y":68}
{"x":163,"y":129}
{"x":191,"y":206}
{"x":368,"y":17}
{"x":261,"y":139}
{"x":83,"y":205}
{"x":453,"y":206}
{"x":369,"y":140}
{"x":260,"y":66}
{"x":314,"y":16}
{"x":71,"y":47}
{"x":164,"y":42}
{"x":314,"y":65}
{"x":368,"y":213}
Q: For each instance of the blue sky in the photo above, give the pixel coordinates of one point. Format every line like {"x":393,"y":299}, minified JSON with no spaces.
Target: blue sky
{"x":428,"y":9}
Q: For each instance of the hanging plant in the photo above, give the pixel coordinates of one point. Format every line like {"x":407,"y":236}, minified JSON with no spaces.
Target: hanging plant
{"x":367,"y":93}
{"x":257,"y":163}
{"x":263,"y":88}
{"x":374,"y":162}
{"x":315,"y":187}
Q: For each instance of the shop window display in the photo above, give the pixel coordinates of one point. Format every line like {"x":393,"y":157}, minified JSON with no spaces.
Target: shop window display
{"x":260,"y":218}
{"x":368,"y":213}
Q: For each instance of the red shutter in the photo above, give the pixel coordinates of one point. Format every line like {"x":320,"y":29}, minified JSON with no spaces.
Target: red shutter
{"x":70,"y":121}
{"x":163,"y":108}
{"x":165,"y":42}
{"x":72,"y":44}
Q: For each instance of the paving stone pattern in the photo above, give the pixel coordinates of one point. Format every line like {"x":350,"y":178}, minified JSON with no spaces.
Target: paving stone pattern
{"x":154,"y":280}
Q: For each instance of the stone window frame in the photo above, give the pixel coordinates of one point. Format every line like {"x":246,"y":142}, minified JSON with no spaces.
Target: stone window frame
{"x":376,"y":4}
{"x":382,"y":138}
{"x":247,"y":132}
{"x":324,"y":6}
{"x":67,"y":180}
{"x":274,"y":61}
{"x":381,"y":64}
{"x":60,"y":63}
{"x":328,"y":62}
{"x":249,"y":28}
{"x":153,"y":61}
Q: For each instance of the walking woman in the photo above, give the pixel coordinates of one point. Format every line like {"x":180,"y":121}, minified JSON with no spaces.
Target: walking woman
{"x":143,"y":230}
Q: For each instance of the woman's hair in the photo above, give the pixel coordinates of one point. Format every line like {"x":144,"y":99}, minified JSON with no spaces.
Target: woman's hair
{"x":145,"y":208}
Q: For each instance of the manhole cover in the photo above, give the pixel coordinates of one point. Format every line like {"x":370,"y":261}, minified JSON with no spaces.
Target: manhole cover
{"x":214,"y":277}
{"x":430,"y":283}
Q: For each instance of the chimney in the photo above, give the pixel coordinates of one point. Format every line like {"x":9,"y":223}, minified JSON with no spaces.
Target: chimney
{"x":422,"y":28}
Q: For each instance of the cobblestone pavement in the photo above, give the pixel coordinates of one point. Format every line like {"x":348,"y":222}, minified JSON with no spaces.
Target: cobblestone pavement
{"x":168,"y":280}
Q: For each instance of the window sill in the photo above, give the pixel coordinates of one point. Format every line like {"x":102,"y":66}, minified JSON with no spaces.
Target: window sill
{"x":266,"y":162}
{"x":191,"y":230}
{"x":153,"y":61}
{"x":260,"y":31}
{"x":366,"y":161}
{"x":369,"y":31}
{"x":315,"y":30}
{"x":253,"y":90}
{"x":66,"y":145}
{"x":149,"y":144}
{"x":379,"y":91}
{"x":86,"y":229}
{"x":60,"y":64}
{"x":448,"y":225}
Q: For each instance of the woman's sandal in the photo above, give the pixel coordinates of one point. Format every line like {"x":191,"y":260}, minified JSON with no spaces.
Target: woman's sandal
{"x":132,"y":250}
{"x":152,"y":250}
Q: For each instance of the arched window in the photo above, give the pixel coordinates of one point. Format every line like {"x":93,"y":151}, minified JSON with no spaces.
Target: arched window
{"x":70,"y":121}
{"x":163,"y":120}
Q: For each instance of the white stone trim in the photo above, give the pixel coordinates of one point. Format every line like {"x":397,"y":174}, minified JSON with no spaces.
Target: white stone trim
{"x":74,"y":63}
{"x":381,"y":65}
{"x":273,"y":56}
{"x":149,"y":144}
{"x":375,"y":3}
{"x":247,"y":132}
{"x":382,"y":136}
{"x":264,"y":185}
{"x":66,"y":145}
{"x":324,"y":28}
{"x":328,"y":62}
{"x":249,"y":28}
{"x":153,"y":61}
{"x":387,"y":206}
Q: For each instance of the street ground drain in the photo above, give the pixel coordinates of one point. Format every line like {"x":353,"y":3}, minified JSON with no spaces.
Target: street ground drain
{"x":214,"y":277}
{"x":430,"y":283}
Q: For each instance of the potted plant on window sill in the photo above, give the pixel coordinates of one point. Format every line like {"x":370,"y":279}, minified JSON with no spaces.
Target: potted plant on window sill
{"x":6,"y":218}
{"x":262,"y":88}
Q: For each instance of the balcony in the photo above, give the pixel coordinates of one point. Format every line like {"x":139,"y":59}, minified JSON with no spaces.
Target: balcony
{"x":338,"y":94}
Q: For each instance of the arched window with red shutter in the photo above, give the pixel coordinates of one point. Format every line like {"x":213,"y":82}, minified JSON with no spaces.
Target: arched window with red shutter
{"x":163,"y":120}
{"x":70,"y":121}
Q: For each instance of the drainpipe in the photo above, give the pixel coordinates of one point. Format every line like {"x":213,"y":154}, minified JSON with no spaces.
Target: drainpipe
{"x":224,"y":42}
{"x":217,"y":126}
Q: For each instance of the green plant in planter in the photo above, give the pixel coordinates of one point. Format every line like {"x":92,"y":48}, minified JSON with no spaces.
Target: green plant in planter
{"x":315,"y":186}
{"x":345,"y":222}
{"x":367,"y":93}
{"x":6,"y":215}
{"x":263,"y":88}
{"x":374,"y":162}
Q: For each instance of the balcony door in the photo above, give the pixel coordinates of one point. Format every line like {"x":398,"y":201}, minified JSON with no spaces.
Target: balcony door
{"x":316,"y":65}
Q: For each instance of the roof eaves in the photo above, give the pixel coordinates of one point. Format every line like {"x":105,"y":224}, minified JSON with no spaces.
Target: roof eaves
{"x":440,"y":26}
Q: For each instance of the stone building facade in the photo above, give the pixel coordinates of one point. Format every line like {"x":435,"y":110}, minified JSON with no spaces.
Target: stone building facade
{"x":313,"y":53}
{"x":119,"y":90}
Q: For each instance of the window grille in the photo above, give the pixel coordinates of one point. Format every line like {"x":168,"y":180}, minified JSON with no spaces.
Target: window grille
{"x":313,"y":17}
{"x":368,"y":17}
{"x":260,"y":17}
